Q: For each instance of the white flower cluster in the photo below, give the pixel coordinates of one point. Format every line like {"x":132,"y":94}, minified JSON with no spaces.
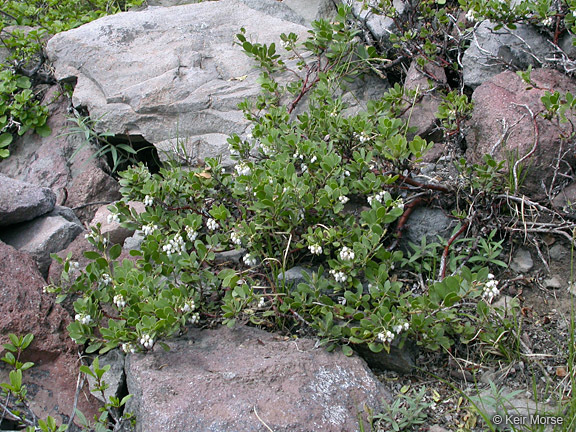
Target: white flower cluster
{"x":148,"y":200}
{"x":83,"y":318}
{"x":113,"y":218}
{"x":313,"y":159}
{"x":304,"y":168}
{"x":211,"y":224}
{"x":379,"y":197}
{"x":235,"y":238}
{"x":128,"y":348}
{"x":147,"y":341}
{"x":119,"y":301}
{"x":149,"y":229}
{"x":262,"y":302}
{"x":189,"y":306}
{"x":175,"y":245}
{"x":346,"y":173}
{"x":284,"y":44}
{"x":191,"y":233}
{"x":343,"y":199}
{"x":386,"y":337}
{"x":298,"y":156}
{"x":400,"y":328}
{"x":249,"y":260}
{"x":347,"y":254}
{"x":340,"y":276}
{"x":491,"y":290}
{"x":194,"y":318}
{"x":362,"y":137}
{"x":106,"y":279}
{"x":243,"y":169}
{"x":266,"y":149}
{"x":470,"y":15}
{"x":315,"y":249}
{"x":547,"y":22}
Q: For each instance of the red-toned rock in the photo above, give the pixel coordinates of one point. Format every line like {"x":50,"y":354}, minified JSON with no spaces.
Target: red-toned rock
{"x":236,"y":380}
{"x":24,"y":308}
{"x":501,"y":125}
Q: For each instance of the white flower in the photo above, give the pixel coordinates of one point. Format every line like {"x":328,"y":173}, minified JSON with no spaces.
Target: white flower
{"x":119,"y":301}
{"x":298,"y":156}
{"x":235,"y":238}
{"x":128,"y":348}
{"x":362,"y":137}
{"x":149,"y":229}
{"x":304,"y":168}
{"x":189,"y":306}
{"x":211,"y":224}
{"x":471,"y":16}
{"x":346,"y":173}
{"x":191,"y":233}
{"x":386,"y":337}
{"x":315,"y":249}
{"x":399,"y":204}
{"x":83,"y":318}
{"x":343,"y":199}
{"x":148,"y":200}
{"x":491,"y":290}
{"x":347,"y":254}
{"x":284,"y":44}
{"x":249,"y":260}
{"x":194,"y":318}
{"x":314,"y":159}
{"x":261,"y":302}
{"x":243,"y":169}
{"x":147,"y":341}
{"x":339,"y":276}
{"x":106,"y":279}
{"x":379,"y":197}
{"x":175,"y":245}
{"x":333,"y":114}
{"x":266,"y":149}
{"x":112,"y":217}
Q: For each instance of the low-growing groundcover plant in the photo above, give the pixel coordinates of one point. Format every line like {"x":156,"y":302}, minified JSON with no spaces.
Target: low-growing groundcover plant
{"x":321,"y":189}
{"x":327,"y":190}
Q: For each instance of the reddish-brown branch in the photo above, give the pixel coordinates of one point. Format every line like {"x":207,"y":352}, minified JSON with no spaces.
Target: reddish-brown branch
{"x":408,"y":209}
{"x":444,"y":259}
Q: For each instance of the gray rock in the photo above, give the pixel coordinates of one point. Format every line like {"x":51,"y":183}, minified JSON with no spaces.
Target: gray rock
{"x":41,"y":237}
{"x":276,"y":9}
{"x":21,"y":201}
{"x":312,"y":10}
{"x":66,"y":212}
{"x":293,"y":276}
{"x":400,"y":359}
{"x":167,"y":73}
{"x":553,"y":283}
{"x":380,"y":27}
{"x":134,"y":242}
{"x":115,"y":377}
{"x":237,"y":380}
{"x":522,"y":261}
{"x":492,"y":52}
{"x":426,"y":222}
{"x":231,"y":256}
{"x":559,"y":252}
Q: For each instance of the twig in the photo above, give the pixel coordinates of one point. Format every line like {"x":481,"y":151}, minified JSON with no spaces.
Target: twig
{"x":262,"y":421}
{"x":444,"y":258}
{"x":531,"y":152}
{"x":79,"y":385}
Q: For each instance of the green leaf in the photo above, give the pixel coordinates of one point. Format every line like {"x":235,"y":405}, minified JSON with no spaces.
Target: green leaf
{"x":5,"y":139}
{"x":92,"y":255}
{"x":115,"y":251}
{"x":43,"y":131}
{"x":347,"y":350}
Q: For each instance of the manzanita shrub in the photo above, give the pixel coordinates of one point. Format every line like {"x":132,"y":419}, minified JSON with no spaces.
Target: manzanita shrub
{"x":317,"y":190}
